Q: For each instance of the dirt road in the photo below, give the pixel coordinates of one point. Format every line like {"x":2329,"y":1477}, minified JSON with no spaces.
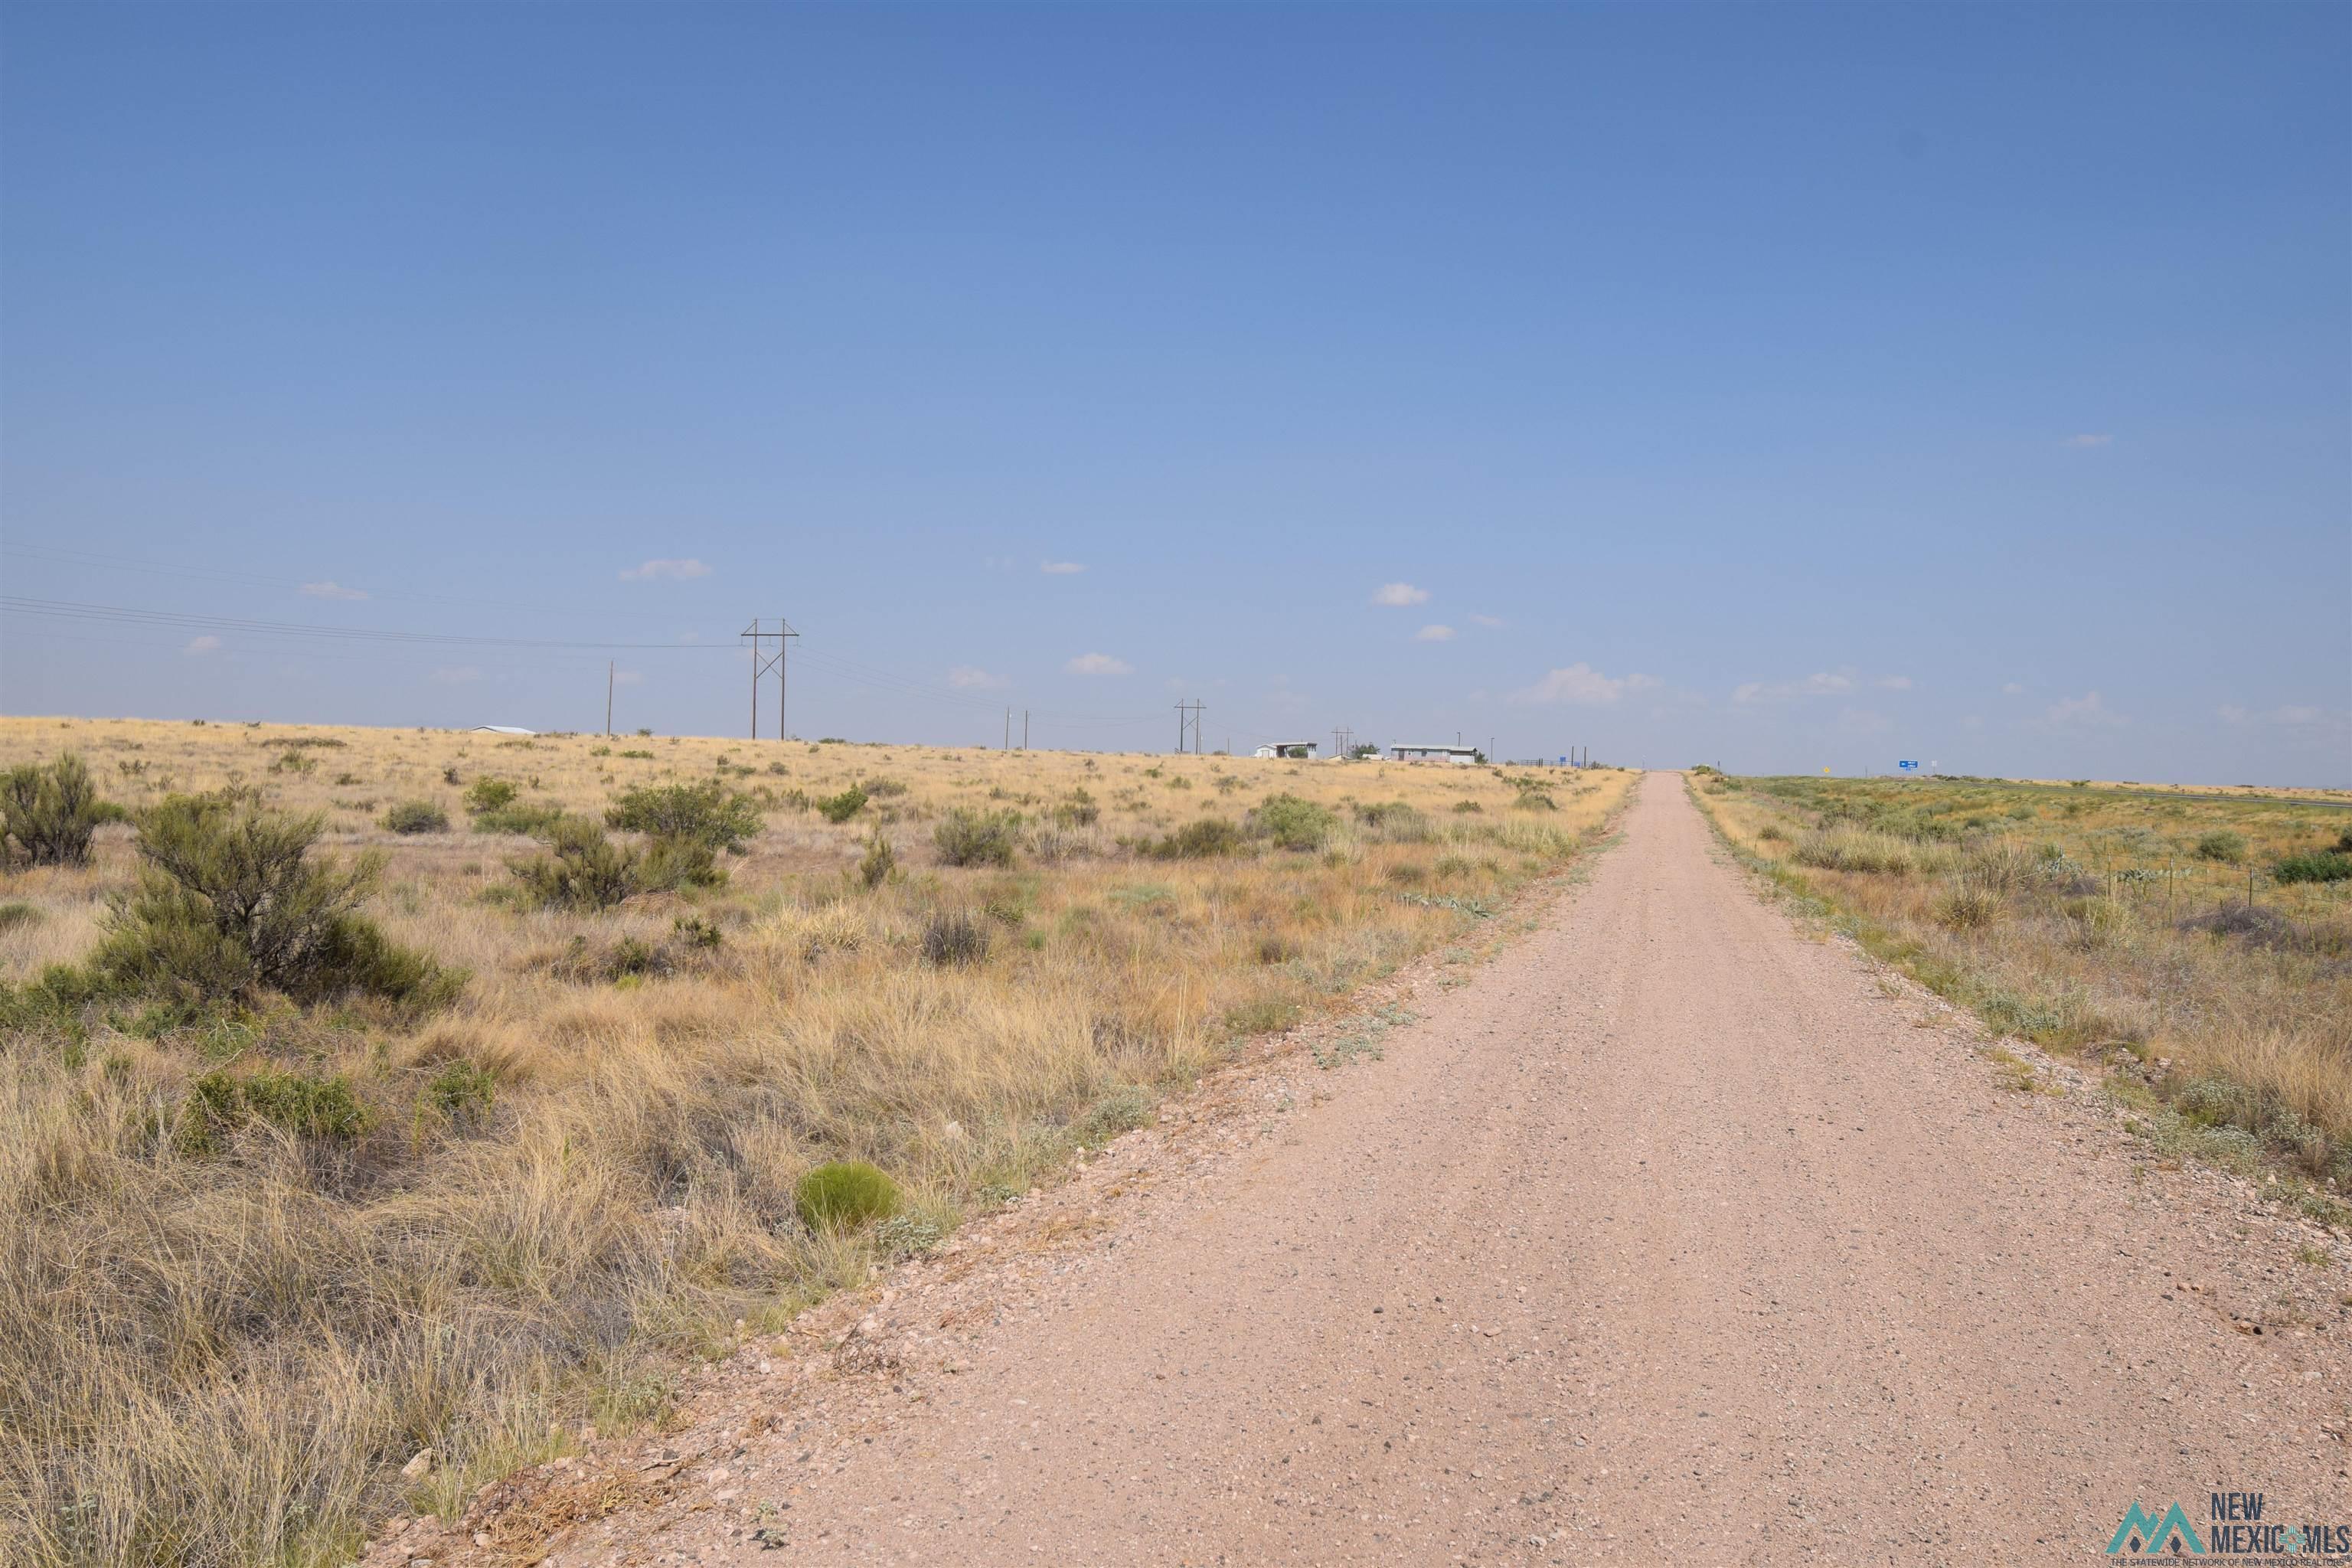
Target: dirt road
{"x":1671,"y":1237}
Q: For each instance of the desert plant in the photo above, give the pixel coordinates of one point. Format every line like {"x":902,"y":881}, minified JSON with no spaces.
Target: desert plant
{"x":416,"y":816}
{"x":1293,"y":823}
{"x":878,"y":864}
{"x":521,"y":819}
{"x":2225,"y":846}
{"x":50,"y":814}
{"x":2315,"y":866}
{"x":954,"y":937}
{"x":967,"y":837}
{"x":580,"y":869}
{"x":704,"y":813}
{"x":843,"y":1193}
{"x":230,"y":903}
{"x":843,"y":806}
{"x":1967,"y":908}
{"x":1211,"y":835}
{"x":487,"y":794}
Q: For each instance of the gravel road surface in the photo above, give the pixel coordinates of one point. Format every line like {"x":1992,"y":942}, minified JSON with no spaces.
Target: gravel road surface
{"x":1673,"y":1235}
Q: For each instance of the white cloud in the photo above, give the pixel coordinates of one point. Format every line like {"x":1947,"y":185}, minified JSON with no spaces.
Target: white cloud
{"x":2011,"y":689}
{"x":457,"y":674}
{"x":1893,"y":683}
{"x":665,"y":571}
{"x":1581,"y":683}
{"x":199,"y":647}
{"x":1098,"y":664}
{"x":1400,"y":593}
{"x":2084,"y":712}
{"x":1477,"y":620}
{"x":1433,"y":633}
{"x":2294,"y":715}
{"x":1061,"y":568}
{"x":330,"y":589}
{"x":1820,"y":684}
{"x":2088,"y":440}
{"x":971,"y":678}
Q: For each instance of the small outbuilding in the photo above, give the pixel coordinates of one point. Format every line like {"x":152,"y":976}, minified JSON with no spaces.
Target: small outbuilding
{"x":1296,"y":751}
{"x":1468,"y":756}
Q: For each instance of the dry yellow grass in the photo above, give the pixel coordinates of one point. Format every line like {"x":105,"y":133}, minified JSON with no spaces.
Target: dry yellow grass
{"x":226,"y":1357}
{"x":2088,"y":920}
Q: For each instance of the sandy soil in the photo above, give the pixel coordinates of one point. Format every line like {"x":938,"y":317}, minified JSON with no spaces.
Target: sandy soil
{"x":1673,"y":1233}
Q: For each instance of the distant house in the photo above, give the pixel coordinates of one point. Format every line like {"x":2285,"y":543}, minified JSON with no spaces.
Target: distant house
{"x":1296,"y":751}
{"x":1468,"y":756}
{"x":501,"y":730}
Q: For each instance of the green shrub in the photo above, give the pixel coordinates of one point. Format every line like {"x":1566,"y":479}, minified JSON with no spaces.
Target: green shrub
{"x":1078,"y":809}
{"x":581,"y":869}
{"x":1293,"y":823}
{"x":228,"y":902}
{"x":706,"y":813}
{"x":524,"y":821}
{"x":16,"y":913}
{"x":462,"y":1091}
{"x":1121,"y":1110}
{"x":2229,"y":849}
{"x":486,"y":794}
{"x":1202,"y":840}
{"x":966,"y":837}
{"x":2316,"y":866}
{"x":318,"y":1107}
{"x":50,"y":814}
{"x":843,"y":806}
{"x":673,"y":863}
{"x":879,"y":863}
{"x":845,"y":1194}
{"x":416,"y":816}
{"x":953,"y":937}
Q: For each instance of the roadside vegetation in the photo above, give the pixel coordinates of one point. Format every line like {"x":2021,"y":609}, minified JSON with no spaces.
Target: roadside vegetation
{"x":379,"y":1109}
{"x":2199,"y":952}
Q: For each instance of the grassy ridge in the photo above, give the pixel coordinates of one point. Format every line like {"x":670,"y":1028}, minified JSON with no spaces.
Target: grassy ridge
{"x":2117,"y":927}
{"x":476,"y":1229}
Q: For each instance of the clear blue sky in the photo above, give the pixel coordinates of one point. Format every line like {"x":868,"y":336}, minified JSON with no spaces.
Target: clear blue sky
{"x":1791,"y":386}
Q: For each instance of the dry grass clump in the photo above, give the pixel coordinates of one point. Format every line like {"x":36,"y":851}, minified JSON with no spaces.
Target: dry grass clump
{"x":265,"y":1241}
{"x":2115,"y":925}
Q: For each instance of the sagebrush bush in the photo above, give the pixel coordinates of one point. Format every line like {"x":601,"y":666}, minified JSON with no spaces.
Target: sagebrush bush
{"x":705,"y":814}
{"x":2227,"y":848}
{"x":487,"y":794}
{"x":1210,"y":837}
{"x":843,"y":1193}
{"x":416,"y":816}
{"x":229,"y":903}
{"x":1293,"y":823}
{"x":843,"y":806}
{"x":878,"y":864}
{"x":50,"y":814}
{"x":968,"y":837}
{"x":2316,"y":866}
{"x":580,"y":869}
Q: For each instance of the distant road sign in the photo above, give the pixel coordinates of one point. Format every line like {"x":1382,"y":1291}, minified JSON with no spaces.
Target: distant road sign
{"x":1911,"y":767}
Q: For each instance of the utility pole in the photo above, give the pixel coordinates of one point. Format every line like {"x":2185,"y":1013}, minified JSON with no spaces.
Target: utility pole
{"x":1191,"y":724}
{"x":760,"y":638}
{"x":608,"y":699}
{"x":1008,"y":729}
{"x":1024,"y":729}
